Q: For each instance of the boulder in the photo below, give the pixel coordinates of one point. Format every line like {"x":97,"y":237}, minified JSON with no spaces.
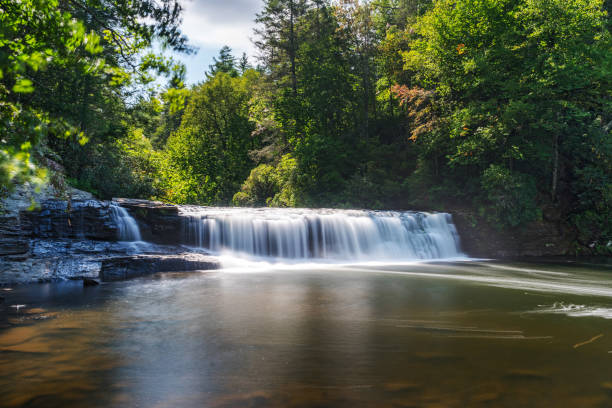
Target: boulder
{"x":122,"y":268}
{"x":90,"y":282}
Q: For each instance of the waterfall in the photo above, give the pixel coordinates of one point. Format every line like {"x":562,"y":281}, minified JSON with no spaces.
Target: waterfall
{"x":322,"y":234}
{"x":126,"y":224}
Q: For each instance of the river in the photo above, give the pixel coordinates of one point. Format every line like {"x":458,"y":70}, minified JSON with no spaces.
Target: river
{"x":256,"y":334}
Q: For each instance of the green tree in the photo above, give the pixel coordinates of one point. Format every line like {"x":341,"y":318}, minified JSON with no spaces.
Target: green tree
{"x":522,"y":85}
{"x":226,"y":62}
{"x":207,"y":157}
{"x":87,"y":59}
{"x":33,"y":36}
{"x":244,"y":64}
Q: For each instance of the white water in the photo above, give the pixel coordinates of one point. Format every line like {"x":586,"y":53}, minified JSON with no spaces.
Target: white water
{"x":301,"y":234}
{"x":127,"y":227}
{"x":573,"y":310}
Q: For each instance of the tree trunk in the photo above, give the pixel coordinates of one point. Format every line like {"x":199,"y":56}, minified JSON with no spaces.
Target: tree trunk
{"x":555,"y":169}
{"x":292,"y":47}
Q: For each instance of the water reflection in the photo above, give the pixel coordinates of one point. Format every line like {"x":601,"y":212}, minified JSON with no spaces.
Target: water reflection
{"x":406,"y":335}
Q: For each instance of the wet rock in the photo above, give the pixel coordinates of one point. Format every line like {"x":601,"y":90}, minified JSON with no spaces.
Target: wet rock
{"x":158,"y":222}
{"x":13,"y":240}
{"x":58,"y":259}
{"x":1,"y":299}
{"x":122,"y":268}
{"x":90,"y":282}
{"x":480,"y":239}
{"x":80,"y":219}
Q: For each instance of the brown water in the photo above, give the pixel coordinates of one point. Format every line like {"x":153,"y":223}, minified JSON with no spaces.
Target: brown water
{"x":428,"y":335}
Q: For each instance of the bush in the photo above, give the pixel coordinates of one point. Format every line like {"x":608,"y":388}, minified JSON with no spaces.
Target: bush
{"x":268,"y":185}
{"x":261,"y":186}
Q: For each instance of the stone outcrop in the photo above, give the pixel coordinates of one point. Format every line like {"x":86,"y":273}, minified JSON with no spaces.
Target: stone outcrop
{"x":50,"y":260}
{"x":122,"y":268}
{"x":479,"y":239}
{"x":76,"y":239}
{"x":158,"y":222}
{"x":13,"y":239}
{"x":76,"y":219}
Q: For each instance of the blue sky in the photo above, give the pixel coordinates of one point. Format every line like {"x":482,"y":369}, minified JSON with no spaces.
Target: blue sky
{"x":210,"y":24}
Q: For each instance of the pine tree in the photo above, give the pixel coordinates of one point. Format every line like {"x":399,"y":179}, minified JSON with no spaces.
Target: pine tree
{"x":244,"y":63}
{"x":226,"y":62}
{"x":279,"y":39}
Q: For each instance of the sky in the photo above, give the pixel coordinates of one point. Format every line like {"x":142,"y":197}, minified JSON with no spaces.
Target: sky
{"x":211,"y":24}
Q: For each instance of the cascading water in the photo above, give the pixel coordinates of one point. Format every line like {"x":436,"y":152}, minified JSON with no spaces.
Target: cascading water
{"x":322,"y":234}
{"x":126,"y":224}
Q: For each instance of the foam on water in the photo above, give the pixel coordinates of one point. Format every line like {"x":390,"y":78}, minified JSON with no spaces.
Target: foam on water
{"x":573,"y":310}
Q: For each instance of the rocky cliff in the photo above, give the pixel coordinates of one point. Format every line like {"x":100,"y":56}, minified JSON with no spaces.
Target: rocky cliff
{"x":77,"y":239}
{"x":480,"y":239}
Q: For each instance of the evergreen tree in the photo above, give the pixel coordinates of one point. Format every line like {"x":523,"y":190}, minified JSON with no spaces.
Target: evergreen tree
{"x":226,"y":63}
{"x":244,"y":63}
{"x":279,"y":38}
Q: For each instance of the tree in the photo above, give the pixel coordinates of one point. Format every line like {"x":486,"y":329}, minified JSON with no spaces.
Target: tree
{"x":207,"y":157}
{"x":279,"y":39}
{"x":522,"y":86}
{"x":244,"y":64}
{"x":34,"y":34}
{"x":91,"y":53}
{"x":225,"y":63}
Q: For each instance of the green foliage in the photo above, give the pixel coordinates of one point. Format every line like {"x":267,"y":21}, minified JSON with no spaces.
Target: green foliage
{"x":207,"y":157}
{"x":269,"y":186}
{"x":67,"y":70}
{"x":259,"y":188}
{"x":225,"y":63}
{"x":592,"y":184}
{"x":519,"y":85}
{"x":498,"y":104}
{"x":33,"y":35}
{"x":511,"y":196}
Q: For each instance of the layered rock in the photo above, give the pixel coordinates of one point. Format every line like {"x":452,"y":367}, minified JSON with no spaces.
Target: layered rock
{"x":479,"y":239}
{"x":76,"y":219}
{"x":122,"y":268}
{"x":158,"y":222}
{"x":74,"y":239}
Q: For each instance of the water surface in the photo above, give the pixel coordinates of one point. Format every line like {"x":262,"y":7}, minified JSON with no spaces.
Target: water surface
{"x":369,"y":335}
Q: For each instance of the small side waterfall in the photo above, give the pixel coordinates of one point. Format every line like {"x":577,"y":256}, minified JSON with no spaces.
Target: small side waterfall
{"x":322,"y":234}
{"x":126,"y":224}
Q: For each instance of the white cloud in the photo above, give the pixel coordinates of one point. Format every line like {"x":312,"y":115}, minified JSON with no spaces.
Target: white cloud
{"x":210,"y":23}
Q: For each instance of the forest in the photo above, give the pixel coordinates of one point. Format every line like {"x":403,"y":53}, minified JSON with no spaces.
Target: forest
{"x":503,"y":107}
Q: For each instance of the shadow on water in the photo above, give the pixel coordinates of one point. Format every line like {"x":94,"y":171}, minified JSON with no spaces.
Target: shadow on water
{"x":447,"y":334}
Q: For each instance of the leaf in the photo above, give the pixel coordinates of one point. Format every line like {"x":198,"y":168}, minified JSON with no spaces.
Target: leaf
{"x":23,"y":85}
